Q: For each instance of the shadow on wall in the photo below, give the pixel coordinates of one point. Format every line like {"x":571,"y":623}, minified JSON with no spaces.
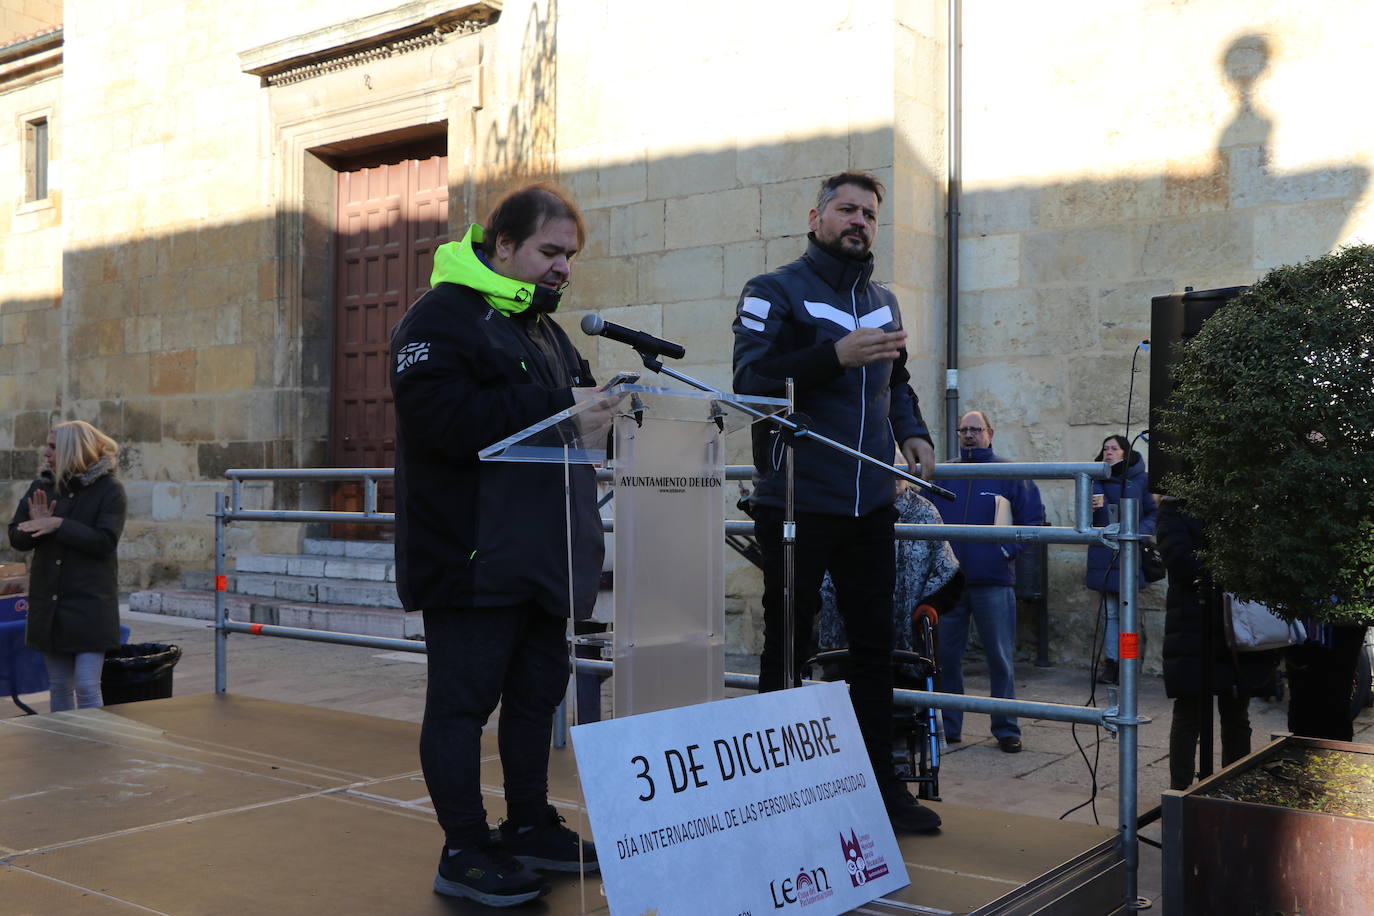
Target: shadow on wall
{"x":178,"y":346}
{"x":1057,"y":285}
{"x":525,"y":148}
{"x":1068,"y":270}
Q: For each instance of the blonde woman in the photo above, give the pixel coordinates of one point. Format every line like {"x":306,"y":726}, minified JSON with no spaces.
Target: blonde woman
{"x":71,"y":518}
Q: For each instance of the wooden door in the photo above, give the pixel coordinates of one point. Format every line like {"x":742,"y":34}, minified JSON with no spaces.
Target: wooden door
{"x":391,"y":217}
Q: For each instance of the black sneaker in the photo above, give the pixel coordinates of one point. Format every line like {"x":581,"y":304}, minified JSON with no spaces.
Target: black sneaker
{"x":906,"y":813}
{"x":485,"y":873}
{"x":550,"y":845}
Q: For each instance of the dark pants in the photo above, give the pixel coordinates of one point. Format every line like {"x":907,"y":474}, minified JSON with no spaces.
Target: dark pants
{"x":859,"y":554}
{"x":1186,"y":728}
{"x":1319,"y":684}
{"x":516,"y":656}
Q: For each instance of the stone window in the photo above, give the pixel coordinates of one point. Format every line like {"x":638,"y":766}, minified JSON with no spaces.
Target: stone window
{"x":36,"y":159}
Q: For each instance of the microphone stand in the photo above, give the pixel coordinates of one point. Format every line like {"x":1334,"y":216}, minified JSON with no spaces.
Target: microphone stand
{"x":789,"y":562}
{"x":794,"y":426}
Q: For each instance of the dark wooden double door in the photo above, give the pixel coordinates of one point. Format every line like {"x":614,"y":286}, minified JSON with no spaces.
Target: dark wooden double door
{"x":391,"y":216}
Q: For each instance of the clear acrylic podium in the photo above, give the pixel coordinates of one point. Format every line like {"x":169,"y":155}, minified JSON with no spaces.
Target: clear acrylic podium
{"x":667,"y":456}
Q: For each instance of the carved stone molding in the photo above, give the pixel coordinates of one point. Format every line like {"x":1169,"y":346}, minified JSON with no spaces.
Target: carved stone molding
{"x":407,"y":28}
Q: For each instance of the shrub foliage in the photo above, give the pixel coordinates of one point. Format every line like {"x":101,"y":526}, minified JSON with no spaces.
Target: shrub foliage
{"x":1273,"y":416}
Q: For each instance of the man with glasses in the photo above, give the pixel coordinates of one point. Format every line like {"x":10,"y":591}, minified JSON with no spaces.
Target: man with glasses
{"x":989,"y":599}
{"x":822,"y":322}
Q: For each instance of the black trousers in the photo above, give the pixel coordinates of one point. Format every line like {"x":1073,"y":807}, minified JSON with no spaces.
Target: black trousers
{"x":1186,"y":727}
{"x":478,"y":657}
{"x":859,"y":554}
{"x":1319,"y":684}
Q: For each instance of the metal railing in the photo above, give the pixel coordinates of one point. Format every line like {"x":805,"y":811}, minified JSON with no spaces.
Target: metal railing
{"x":1122,"y":720}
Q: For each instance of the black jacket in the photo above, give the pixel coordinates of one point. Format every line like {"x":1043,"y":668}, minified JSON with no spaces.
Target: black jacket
{"x":786,"y":325}
{"x":74,"y":578}
{"x":1179,"y":536}
{"x":484,"y":534}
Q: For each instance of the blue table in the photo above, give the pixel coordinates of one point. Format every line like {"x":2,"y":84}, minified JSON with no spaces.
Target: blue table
{"x":21,"y":668}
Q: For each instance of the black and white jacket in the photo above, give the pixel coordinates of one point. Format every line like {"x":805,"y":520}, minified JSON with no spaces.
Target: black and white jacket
{"x":786,"y":325}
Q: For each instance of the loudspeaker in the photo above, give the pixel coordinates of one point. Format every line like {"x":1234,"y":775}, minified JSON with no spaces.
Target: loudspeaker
{"x":1174,"y":319}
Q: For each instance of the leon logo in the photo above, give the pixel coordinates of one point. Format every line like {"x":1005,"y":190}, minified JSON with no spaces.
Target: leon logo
{"x":859,"y":860}
{"x":805,"y":888}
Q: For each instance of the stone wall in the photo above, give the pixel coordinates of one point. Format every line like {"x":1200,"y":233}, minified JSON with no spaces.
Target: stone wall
{"x":31,"y":367}
{"x":170,"y":329}
{"x":22,"y":18}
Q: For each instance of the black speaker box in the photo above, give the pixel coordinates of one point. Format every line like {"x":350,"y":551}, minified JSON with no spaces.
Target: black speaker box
{"x":1174,"y":319}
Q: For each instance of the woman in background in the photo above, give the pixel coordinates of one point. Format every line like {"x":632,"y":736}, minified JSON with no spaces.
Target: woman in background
{"x":71,"y":518}
{"x":1234,"y":676}
{"x":1129,"y":480}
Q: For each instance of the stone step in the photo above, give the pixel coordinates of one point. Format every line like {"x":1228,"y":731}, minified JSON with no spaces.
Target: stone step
{"x":318,"y":566}
{"x":198,"y":604}
{"x":304,"y":589}
{"x":341,"y":618}
{"x":357,"y":550}
{"x":300,"y":589}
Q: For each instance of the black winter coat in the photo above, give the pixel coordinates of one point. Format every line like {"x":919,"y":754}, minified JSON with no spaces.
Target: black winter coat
{"x":1179,"y":536}
{"x":74,"y":577}
{"x":475,"y":533}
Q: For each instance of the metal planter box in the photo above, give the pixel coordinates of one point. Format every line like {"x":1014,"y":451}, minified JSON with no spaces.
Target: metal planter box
{"x":1227,"y":856}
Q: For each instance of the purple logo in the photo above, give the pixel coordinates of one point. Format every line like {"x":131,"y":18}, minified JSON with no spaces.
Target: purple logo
{"x":859,"y":859}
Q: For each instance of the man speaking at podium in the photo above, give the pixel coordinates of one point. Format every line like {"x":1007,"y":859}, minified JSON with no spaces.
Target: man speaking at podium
{"x":481,"y":547}
{"x":822,"y":322}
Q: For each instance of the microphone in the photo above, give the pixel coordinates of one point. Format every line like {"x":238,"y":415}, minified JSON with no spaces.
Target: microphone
{"x":594,"y":326}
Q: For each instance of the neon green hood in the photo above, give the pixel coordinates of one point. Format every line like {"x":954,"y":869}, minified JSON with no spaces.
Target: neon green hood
{"x":460,"y":263}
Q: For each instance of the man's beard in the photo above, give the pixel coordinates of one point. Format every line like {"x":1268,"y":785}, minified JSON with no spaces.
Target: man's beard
{"x":838,"y":249}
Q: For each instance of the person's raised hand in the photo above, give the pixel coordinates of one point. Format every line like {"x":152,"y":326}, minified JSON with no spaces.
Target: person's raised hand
{"x":600,"y":414}
{"x":39,"y":505}
{"x":920,"y":457}
{"x":865,"y":346}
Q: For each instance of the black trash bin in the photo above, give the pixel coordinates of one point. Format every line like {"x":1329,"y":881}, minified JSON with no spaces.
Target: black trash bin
{"x":142,"y":671}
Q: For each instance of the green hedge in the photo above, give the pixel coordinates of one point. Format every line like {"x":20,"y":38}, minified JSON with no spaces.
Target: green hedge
{"x":1273,"y":416}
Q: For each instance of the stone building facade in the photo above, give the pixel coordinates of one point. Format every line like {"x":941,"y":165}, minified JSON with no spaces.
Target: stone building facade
{"x":185,"y":281}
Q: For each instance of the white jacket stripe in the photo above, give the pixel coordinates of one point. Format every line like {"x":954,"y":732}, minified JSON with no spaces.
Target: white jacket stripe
{"x":876,"y":318}
{"x":821,"y":310}
{"x":756,"y":307}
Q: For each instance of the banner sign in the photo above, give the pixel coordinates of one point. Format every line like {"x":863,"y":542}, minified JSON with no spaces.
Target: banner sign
{"x":744,"y":807}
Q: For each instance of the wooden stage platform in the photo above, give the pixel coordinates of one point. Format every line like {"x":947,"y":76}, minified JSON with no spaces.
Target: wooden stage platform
{"x":223,"y":804}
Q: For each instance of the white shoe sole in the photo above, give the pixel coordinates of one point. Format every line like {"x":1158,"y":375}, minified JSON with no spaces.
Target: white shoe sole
{"x":453,"y":889}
